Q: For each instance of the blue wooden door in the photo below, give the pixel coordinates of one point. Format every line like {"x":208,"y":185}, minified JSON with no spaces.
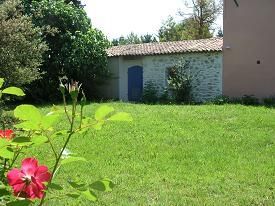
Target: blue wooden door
{"x":135,"y":83}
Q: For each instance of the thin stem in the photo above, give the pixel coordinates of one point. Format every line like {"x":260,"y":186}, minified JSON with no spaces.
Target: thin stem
{"x":5,"y":164}
{"x":51,"y":144}
{"x":4,"y":169}
{"x":65,"y":109}
{"x":15,"y":157}
{"x":62,"y":150}
{"x":81,"y":117}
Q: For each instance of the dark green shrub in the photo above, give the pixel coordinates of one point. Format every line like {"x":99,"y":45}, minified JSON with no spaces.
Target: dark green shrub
{"x":150,"y":93}
{"x":165,"y":97}
{"x":22,"y":46}
{"x":250,"y":100}
{"x":269,"y":101}
{"x":180,"y":82}
{"x":220,"y":100}
{"x":236,"y":100}
{"x":7,"y":120}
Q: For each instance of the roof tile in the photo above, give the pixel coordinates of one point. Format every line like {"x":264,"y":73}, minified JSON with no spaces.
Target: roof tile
{"x":188,"y":46}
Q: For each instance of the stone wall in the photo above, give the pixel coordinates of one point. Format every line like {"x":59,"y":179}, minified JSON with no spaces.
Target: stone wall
{"x":207,"y":66}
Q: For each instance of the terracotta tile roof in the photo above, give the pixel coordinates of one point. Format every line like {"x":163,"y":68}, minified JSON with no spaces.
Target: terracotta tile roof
{"x":202,"y":45}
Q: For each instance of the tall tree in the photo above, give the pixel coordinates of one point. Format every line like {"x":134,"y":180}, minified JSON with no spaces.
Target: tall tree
{"x":171,"y":30}
{"x":77,"y":50}
{"x":220,"y":33}
{"x":21,"y":45}
{"x":192,"y":30}
{"x":133,"y":38}
{"x":196,"y":25}
{"x":75,"y":2}
{"x":204,"y":14}
{"x":148,"y":38}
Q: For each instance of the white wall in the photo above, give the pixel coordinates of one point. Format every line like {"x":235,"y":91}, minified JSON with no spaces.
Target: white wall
{"x":110,"y":88}
{"x":208,"y":66}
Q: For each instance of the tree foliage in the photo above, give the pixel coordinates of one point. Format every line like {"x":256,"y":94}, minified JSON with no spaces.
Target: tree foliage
{"x":171,"y":30}
{"x":204,"y":14}
{"x":197,"y":25}
{"x":74,"y":2}
{"x":220,"y":33}
{"x":148,"y":38}
{"x":133,"y":38}
{"x":21,"y":45}
{"x":77,"y":50}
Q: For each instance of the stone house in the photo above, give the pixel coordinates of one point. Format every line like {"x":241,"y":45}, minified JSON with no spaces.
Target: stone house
{"x":132,"y":66}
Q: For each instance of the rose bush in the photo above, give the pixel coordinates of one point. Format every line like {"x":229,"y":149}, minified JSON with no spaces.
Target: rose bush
{"x":33,"y":183}
{"x":7,"y":134}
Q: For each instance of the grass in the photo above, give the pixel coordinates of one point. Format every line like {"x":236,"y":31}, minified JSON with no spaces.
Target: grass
{"x":178,"y":155}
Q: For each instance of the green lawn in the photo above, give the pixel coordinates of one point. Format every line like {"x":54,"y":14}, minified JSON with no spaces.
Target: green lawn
{"x":179,"y":155}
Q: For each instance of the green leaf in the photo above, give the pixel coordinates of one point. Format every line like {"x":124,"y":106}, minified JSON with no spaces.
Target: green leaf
{"x":57,"y":110}
{"x":13,"y":91}
{"x":38,"y":140}
{"x":121,"y":116}
{"x":19,"y":203}
{"x":72,"y":159}
{"x":28,"y":125}
{"x":55,"y":186}
{"x":6,"y":153}
{"x":4,"y":192}
{"x":49,"y":120}
{"x":73,"y":195}
{"x":27,"y":112}
{"x":103,"y":112}
{"x":21,"y":141}
{"x":3,"y":143}
{"x":60,"y":133}
{"x":78,"y":185}
{"x":2,"y":80}
{"x":89,"y":195}
{"x":104,"y":185}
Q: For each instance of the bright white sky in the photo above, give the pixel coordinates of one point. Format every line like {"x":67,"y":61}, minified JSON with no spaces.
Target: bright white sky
{"x":121,"y":17}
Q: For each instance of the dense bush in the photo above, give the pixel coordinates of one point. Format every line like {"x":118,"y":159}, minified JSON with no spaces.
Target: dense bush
{"x":220,"y":100}
{"x":21,"y":45}
{"x":180,"y":81}
{"x":250,"y":100}
{"x":165,"y":97}
{"x":7,"y":119}
{"x":76,"y":49}
{"x":150,"y":93}
{"x":269,"y":101}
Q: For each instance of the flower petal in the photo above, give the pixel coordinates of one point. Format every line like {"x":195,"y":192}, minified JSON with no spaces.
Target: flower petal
{"x":42,"y":174}
{"x":19,"y":188}
{"x":29,"y":192}
{"x":15,"y":176}
{"x":7,"y":134}
{"x":29,"y":166}
{"x":35,"y":190}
